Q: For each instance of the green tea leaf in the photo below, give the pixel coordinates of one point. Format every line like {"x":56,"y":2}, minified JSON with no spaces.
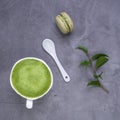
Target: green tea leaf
{"x":85,"y":63}
{"x":96,"y":56}
{"x":101,"y":61}
{"x":94,"y":83}
{"x":99,"y":76}
{"x":84,"y":49}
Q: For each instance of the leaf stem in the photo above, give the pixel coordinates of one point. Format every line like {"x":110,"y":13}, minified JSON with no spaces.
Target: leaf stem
{"x":91,"y":63}
{"x":101,"y":85}
{"x":95,"y":73}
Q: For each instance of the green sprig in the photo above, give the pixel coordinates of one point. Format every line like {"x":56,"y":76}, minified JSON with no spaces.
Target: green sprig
{"x":100,"y":59}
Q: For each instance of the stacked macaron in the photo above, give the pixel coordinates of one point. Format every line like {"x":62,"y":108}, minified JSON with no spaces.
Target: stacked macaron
{"x":64,"y":23}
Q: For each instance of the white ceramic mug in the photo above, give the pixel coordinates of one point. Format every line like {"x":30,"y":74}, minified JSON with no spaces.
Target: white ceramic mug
{"x":29,"y":101}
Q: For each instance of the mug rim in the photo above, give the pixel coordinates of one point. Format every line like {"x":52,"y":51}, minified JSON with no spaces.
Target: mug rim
{"x":29,"y":98}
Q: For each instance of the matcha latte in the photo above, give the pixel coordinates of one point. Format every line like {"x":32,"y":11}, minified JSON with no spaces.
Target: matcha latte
{"x":31,"y":78}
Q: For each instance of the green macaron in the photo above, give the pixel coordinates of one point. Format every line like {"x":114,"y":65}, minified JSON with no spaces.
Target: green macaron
{"x":64,"y":23}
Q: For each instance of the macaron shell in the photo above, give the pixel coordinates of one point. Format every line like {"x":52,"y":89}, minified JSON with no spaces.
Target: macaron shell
{"x":62,"y":24}
{"x":68,"y":20}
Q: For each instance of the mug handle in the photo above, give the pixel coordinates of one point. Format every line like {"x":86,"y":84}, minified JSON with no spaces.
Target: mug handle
{"x":29,"y":104}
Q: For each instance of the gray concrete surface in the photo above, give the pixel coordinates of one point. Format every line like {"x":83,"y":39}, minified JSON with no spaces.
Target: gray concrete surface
{"x":23,"y":26}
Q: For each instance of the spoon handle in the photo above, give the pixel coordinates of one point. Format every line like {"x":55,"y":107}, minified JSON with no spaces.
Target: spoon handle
{"x":63,"y":72}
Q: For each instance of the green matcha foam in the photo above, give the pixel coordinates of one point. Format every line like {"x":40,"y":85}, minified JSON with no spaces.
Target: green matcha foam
{"x":31,"y":78}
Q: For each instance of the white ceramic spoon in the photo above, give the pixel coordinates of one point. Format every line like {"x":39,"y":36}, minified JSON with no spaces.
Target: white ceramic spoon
{"x":49,"y":47}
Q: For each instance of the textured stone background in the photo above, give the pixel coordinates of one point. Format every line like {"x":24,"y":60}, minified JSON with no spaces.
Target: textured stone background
{"x":23,"y":26}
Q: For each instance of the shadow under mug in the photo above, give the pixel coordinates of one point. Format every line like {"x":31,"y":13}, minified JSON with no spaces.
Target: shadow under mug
{"x":29,"y":101}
